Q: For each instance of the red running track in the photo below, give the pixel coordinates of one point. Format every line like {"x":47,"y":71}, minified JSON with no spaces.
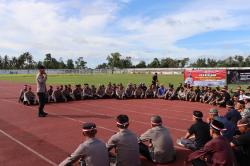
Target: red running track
{"x":28,"y":140}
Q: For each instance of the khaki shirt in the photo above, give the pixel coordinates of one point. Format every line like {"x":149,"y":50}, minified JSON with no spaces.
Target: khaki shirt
{"x":127,"y":148}
{"x":163,"y":148}
{"x":93,"y":151}
{"x":41,"y":83}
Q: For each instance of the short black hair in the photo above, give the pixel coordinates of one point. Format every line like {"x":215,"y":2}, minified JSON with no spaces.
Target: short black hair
{"x":41,"y":67}
{"x":122,"y":121}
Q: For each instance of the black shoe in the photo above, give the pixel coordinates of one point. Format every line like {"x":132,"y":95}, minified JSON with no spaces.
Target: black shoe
{"x":45,"y":113}
{"x":41,"y":115}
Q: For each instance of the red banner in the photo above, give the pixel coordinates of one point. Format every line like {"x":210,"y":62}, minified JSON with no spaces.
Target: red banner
{"x":205,"y":77}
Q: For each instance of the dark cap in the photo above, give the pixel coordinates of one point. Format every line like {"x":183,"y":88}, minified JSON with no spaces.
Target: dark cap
{"x":41,"y":67}
{"x":156,"y":119}
{"x":248,"y":87}
{"x":217,"y":125}
{"x":230,"y":104}
{"x":122,"y":120}
{"x":198,"y":114}
{"x":241,"y":102}
{"x":88,"y":126}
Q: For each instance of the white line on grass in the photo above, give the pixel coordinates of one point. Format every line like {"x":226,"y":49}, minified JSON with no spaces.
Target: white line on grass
{"x":28,"y":148}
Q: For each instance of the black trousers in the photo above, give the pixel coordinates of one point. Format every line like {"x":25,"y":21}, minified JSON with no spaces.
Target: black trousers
{"x":144,"y":151}
{"x":42,"y":99}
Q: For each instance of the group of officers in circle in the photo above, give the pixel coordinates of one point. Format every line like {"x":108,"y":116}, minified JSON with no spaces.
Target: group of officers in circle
{"x":222,"y":141}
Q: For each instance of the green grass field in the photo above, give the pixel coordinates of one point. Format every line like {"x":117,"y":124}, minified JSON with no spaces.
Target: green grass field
{"x":97,"y":79}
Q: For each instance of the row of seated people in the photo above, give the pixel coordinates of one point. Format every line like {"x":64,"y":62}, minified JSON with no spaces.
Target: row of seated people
{"x":217,"y":96}
{"x":217,"y":142}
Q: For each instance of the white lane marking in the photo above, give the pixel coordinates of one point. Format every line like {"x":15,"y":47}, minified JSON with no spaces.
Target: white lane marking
{"x":28,"y":148}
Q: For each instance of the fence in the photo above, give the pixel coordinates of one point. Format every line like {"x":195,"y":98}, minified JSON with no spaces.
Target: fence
{"x":163,"y":71}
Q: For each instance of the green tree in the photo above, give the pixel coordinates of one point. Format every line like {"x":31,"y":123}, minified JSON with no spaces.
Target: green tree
{"x":155,"y":63}
{"x":141,"y":64}
{"x":102,"y":66}
{"x":114,"y":60}
{"x":211,"y":63}
{"x":80,"y":63}
{"x":70,"y":64}
{"x":126,"y":63}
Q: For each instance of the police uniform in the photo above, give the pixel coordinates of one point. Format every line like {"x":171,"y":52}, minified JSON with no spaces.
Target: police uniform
{"x":92,"y":152}
{"x":162,"y":150}
{"x":127,"y":148}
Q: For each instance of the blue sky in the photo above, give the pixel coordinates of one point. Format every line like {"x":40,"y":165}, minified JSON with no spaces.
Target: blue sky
{"x":141,"y":29}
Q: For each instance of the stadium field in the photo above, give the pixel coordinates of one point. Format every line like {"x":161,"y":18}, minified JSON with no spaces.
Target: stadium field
{"x":96,"y":79}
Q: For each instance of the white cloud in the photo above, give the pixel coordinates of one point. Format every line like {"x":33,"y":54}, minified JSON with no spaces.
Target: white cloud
{"x":94,"y":28}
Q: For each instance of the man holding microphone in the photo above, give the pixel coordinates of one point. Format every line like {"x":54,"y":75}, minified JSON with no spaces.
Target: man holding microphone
{"x":41,"y":79}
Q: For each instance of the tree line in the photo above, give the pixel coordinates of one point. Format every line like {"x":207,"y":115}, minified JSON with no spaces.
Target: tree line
{"x":116,"y":60}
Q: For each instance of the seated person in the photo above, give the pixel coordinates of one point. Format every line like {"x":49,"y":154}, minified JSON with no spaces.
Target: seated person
{"x":241,"y":144}
{"x":70,"y":88}
{"x":129,"y":92}
{"x":120,"y":91}
{"x":161,"y":92}
{"x":109,"y":91}
{"x":29,"y":97}
{"x":138,"y":93}
{"x":200,"y":131}
{"x":49,"y":93}
{"x":58,"y":96}
{"x":215,"y":152}
{"x":87,"y":92}
{"x":169,"y":93}
{"x":246,"y":112}
{"x":191,"y":95}
{"x":230,"y":129}
{"x":77,"y":92}
{"x":144,"y":87}
{"x":225,"y":97}
{"x":181,"y":94}
{"x":197,"y":94}
{"x":91,"y":152}
{"x":21,"y":96}
{"x":150,"y":92}
{"x":100,"y":92}
{"x":207,"y":92}
{"x":161,"y":147}
{"x":126,"y":144}
{"x":93,"y":89}
{"x":232,"y":114}
{"x":67,"y":94}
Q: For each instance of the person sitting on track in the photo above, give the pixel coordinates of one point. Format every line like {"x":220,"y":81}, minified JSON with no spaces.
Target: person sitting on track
{"x":58,"y":96}
{"x":232,"y":114}
{"x":87,"y":92}
{"x":169,"y":92}
{"x":120,"y":91}
{"x":138,"y":93}
{"x":29,"y":97}
{"x":225,"y":97}
{"x":181,"y":94}
{"x":21,"y":96}
{"x":144,"y":87}
{"x":215,"y":152}
{"x":70,"y":88}
{"x":91,"y":152}
{"x":129,"y":92}
{"x":100,"y":92}
{"x":241,"y":144}
{"x":191,"y":95}
{"x":230,"y":129}
{"x":126,"y":144}
{"x":109,"y":91}
{"x":206,"y":94}
{"x":93,"y":90}
{"x":150,"y":92}
{"x":161,"y":148}
{"x":161,"y":92}
{"x":200,"y":131}
{"x":77,"y":92}
{"x":49,"y":93}
{"x":67,"y":94}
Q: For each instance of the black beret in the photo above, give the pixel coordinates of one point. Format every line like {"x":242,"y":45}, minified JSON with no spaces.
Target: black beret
{"x":197,"y":114}
{"x":230,"y":103}
{"x":41,"y":67}
{"x":88,"y":126}
{"x":217,"y":125}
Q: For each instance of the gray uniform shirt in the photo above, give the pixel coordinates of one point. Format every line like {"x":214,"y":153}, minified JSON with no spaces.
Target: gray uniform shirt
{"x":93,"y":151}
{"x":163,"y":148}
{"x":41,"y":83}
{"x":127,"y":148}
